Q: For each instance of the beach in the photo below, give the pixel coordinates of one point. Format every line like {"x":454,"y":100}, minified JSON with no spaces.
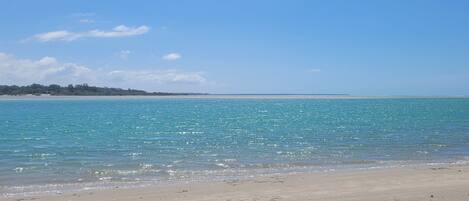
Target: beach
{"x":234,"y":101}
{"x":423,"y":183}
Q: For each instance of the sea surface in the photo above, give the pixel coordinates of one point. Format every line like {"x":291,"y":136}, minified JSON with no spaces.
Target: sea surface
{"x":52,"y":145}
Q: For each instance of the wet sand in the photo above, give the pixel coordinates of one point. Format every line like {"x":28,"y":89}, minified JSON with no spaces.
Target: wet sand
{"x":427,"y":183}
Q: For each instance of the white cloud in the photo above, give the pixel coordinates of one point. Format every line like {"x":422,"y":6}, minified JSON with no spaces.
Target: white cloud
{"x":45,"y":61}
{"x":48,"y":70}
{"x":64,"y":35}
{"x":25,"y":71}
{"x":172,"y":56}
{"x":56,"y":35}
{"x":124,"y":54}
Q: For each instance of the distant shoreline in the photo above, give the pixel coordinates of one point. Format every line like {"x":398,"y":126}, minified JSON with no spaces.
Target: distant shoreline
{"x":78,"y":90}
{"x":217,"y":96}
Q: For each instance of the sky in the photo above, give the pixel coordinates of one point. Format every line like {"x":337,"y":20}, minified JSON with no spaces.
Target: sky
{"x":378,"y":47}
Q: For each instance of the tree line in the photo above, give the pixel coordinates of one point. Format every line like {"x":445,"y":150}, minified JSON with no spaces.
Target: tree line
{"x":76,"y":90}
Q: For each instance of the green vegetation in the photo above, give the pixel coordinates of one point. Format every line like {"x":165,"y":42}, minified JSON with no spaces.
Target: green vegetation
{"x":77,"y":90}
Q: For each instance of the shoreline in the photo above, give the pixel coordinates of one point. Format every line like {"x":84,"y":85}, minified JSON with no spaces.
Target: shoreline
{"x":388,"y":183}
{"x":223,"y":96}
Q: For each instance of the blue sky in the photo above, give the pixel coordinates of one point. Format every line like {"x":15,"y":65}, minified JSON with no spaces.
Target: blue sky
{"x":356,"y":47}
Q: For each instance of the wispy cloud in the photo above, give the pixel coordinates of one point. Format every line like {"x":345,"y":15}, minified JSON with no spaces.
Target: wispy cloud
{"x":124,"y":54}
{"x":172,"y":56}
{"x":86,"y":21}
{"x":64,"y":35}
{"x":158,"y":76}
{"x":83,"y":14}
{"x":314,"y":70}
{"x":49,"y":70}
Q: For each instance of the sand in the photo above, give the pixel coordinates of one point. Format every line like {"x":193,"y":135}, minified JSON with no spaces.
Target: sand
{"x":427,"y":183}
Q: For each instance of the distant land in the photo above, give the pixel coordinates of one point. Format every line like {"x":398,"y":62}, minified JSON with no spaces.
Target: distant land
{"x":79,"y":90}
{"x":286,"y":94}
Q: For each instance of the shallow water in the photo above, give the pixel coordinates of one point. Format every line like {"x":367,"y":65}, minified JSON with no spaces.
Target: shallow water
{"x":50,"y":142}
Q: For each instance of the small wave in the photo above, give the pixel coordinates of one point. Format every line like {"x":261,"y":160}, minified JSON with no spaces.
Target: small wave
{"x":150,"y":174}
{"x":222,"y":165}
{"x":19,"y":169}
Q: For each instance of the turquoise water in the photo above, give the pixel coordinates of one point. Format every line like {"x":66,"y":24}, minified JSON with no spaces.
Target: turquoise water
{"x":48,"y":142}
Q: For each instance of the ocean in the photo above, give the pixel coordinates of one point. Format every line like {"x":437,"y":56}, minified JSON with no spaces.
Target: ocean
{"x":52,"y":145}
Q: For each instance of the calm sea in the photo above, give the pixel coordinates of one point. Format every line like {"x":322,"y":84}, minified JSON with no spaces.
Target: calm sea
{"x":46,"y":145}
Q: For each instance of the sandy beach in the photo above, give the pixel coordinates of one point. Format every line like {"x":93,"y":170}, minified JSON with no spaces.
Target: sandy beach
{"x":432,"y":183}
